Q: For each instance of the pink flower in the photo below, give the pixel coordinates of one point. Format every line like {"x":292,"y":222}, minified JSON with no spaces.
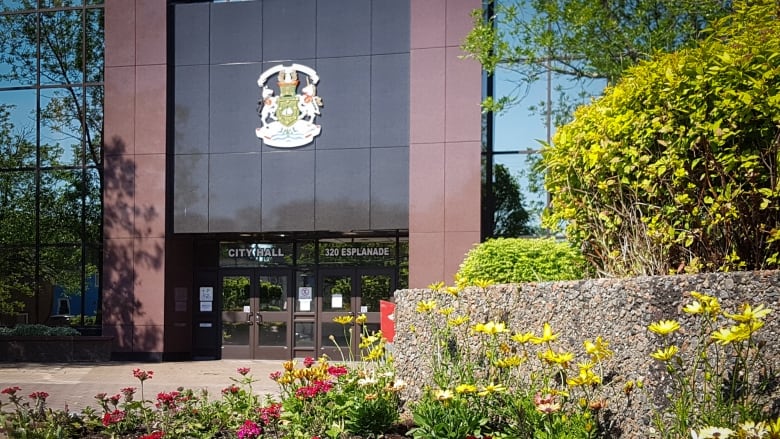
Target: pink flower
{"x":243,"y":370}
{"x":155,"y":435}
{"x":270,"y":413}
{"x":167,"y":400}
{"x":143,"y":375}
{"x":11,"y":390}
{"x":113,"y":417}
{"x":249,"y":430}
{"x":115,"y":399}
{"x":39,"y":395}
{"x":232,"y":390}
{"x":275,"y":375}
{"x":313,"y":389}
{"x":308,"y":362}
{"x":337,"y":371}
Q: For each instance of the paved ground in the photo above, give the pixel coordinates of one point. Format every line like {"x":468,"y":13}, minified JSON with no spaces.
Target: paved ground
{"x":76,"y":384}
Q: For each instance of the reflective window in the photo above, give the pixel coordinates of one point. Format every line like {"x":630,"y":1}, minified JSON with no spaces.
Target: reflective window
{"x":51,"y":125}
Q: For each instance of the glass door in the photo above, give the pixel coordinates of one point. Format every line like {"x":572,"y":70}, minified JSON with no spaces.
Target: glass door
{"x":255,"y":314}
{"x":346,"y":294}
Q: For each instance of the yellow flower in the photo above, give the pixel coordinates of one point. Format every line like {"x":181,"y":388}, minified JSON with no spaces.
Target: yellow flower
{"x":361,"y":319}
{"x":446,"y":311}
{"x":466,"y":388}
{"x":438,"y":286}
{"x":597,"y":350}
{"x":551,"y":357}
{"x":452,"y":291}
{"x":664,"y":327}
{"x":491,"y":388}
{"x":710,"y":305}
{"x":512,"y":361}
{"x":694,"y":307}
{"x":547,"y":335}
{"x":457,"y":321}
{"x":750,"y":429}
{"x":749,"y":313}
{"x":376,"y":353}
{"x":585,"y":376}
{"x":426,"y":306}
{"x":344,"y":320}
{"x":523,"y":338}
{"x":288,"y":365}
{"x":774,"y":428}
{"x":443,"y":395}
{"x":665,"y":354}
{"x":490,"y":328}
{"x":483,"y":283}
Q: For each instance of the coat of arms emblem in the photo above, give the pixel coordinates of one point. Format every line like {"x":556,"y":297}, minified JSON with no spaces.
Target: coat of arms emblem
{"x":287,"y":120}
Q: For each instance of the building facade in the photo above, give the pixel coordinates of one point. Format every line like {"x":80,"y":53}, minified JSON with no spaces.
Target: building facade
{"x":240,"y":215}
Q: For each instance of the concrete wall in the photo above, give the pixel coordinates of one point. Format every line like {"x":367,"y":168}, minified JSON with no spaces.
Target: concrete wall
{"x":619,"y":310}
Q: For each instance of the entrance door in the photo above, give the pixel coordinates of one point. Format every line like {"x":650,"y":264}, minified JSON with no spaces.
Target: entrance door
{"x":256,"y":313}
{"x":350,"y":293}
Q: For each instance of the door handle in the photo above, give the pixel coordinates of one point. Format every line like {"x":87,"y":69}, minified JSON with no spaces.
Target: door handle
{"x":249,"y":319}
{"x":258,"y":318}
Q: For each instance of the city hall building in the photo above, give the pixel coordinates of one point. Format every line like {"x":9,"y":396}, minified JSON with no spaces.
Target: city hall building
{"x":266,"y":166}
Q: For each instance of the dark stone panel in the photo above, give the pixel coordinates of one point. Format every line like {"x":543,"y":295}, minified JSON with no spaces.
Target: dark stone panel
{"x":234,"y":192}
{"x":390,"y":188}
{"x":343,"y":28}
{"x":234,"y":96}
{"x":390,"y":100}
{"x":346,"y":94}
{"x":190,"y":193}
{"x":390,"y":33}
{"x":342,"y":179}
{"x":288,"y":190}
{"x":236,"y":32}
{"x":289,"y":29}
{"x":191,"y":34}
{"x":191,"y":109}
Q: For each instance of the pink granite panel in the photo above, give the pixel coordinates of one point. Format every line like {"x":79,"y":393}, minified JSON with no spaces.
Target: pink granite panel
{"x":148,"y":338}
{"x":462,"y":183}
{"x":118,"y":279}
{"x":151,"y":29}
{"x":427,"y":23}
{"x":149,"y":282}
{"x":459,"y":20}
{"x":426,"y":259}
{"x":427,"y":100}
{"x":150,"y":101}
{"x":150,"y":196}
{"x":119,"y":111}
{"x":123,"y":337}
{"x":120,"y":33}
{"x":464,"y":95}
{"x":118,"y":196}
{"x":426,"y":188}
{"x":456,"y":245}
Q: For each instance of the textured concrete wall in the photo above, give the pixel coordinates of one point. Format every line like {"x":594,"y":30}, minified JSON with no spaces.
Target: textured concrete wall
{"x":619,"y":310}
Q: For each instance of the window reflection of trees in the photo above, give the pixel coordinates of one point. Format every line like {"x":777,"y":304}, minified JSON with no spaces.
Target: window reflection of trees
{"x":51,"y":124}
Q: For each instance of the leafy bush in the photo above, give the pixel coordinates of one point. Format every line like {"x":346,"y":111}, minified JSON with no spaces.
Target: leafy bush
{"x":38,"y":330}
{"x":676,"y":167}
{"x":512,"y":260}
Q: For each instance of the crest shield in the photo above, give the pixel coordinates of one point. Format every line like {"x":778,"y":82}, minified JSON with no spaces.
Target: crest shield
{"x":288,"y":111}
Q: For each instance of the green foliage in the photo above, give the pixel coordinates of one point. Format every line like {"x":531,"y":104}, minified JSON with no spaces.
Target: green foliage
{"x":510,"y":217}
{"x":512,"y":260}
{"x":25,"y":330}
{"x":676,"y":167}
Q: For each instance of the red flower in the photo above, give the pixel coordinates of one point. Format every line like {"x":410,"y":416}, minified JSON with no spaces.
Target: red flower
{"x":115,"y":399}
{"x":113,"y":417}
{"x":154,"y":435}
{"x":270,"y":413}
{"x":275,"y":375}
{"x":337,"y":371}
{"x":308,"y":362}
{"x":167,"y":400}
{"x":243,"y":370}
{"x":11,"y":390}
{"x":39,"y":395}
{"x":232,"y":390}
{"x":143,"y":375}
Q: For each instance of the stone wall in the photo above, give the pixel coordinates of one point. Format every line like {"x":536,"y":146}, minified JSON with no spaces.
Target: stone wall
{"x":619,"y":310}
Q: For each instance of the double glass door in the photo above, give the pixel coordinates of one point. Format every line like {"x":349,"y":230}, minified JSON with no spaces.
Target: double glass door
{"x":255,"y":313}
{"x":270,"y":314}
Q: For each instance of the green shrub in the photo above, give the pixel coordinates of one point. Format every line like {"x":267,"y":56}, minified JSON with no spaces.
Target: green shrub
{"x":512,"y":260}
{"x":38,"y":330}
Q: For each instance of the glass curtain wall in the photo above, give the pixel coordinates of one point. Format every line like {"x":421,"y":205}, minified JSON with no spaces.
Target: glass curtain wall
{"x":51,"y":125}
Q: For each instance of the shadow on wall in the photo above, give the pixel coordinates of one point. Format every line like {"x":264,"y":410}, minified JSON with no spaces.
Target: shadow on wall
{"x":135,"y":329}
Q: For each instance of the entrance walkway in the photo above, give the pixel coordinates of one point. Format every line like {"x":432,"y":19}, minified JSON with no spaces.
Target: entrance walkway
{"x":75,"y":384}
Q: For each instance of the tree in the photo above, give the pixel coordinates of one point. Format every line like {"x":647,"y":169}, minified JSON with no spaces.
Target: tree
{"x":510,"y":218}
{"x":582,"y":39}
{"x":676,"y":167}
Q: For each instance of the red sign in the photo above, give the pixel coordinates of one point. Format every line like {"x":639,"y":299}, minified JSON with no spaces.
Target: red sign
{"x":387,"y":319}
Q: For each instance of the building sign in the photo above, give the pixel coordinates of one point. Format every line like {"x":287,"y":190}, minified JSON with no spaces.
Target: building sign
{"x":287,"y":119}
{"x":239,"y":254}
{"x":357,"y":252}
